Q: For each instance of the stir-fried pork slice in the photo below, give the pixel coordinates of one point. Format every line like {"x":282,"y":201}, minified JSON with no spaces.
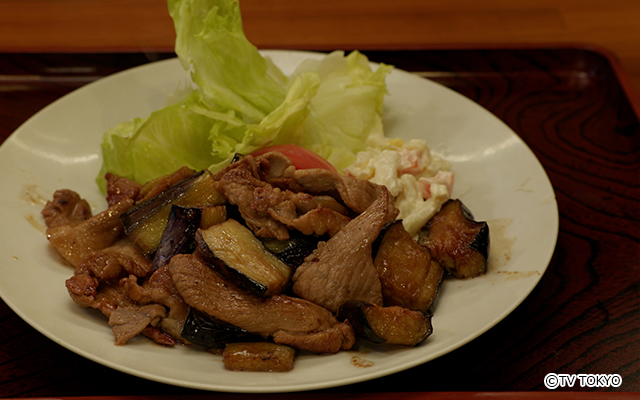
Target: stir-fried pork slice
{"x":159,"y":288}
{"x":356,"y":194}
{"x":158,"y":336}
{"x":307,"y":214}
{"x":124,"y":253}
{"x":276,"y":169}
{"x":342,"y":268}
{"x":289,"y":320}
{"x":83,"y":289}
{"x":66,"y":208}
{"x":120,"y":188}
{"x":128,"y":322}
{"x":253,"y":198}
{"x":109,"y":296}
{"x":340,"y":336}
{"x":109,"y":264}
{"x":77,"y":242}
{"x":270,"y":211}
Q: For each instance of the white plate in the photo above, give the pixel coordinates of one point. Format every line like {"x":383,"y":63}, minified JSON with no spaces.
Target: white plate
{"x":497,"y":177}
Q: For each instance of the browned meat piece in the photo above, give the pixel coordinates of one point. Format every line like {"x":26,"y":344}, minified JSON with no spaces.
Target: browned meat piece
{"x":319,"y":221}
{"x":326,"y":341}
{"x":109,"y":297}
{"x":109,"y":264}
{"x":124,"y":253}
{"x":159,"y":288}
{"x":277,"y":170}
{"x":77,"y":242}
{"x":127,"y":317}
{"x":342,"y":269}
{"x":317,"y":181}
{"x":289,"y":320}
{"x":330,"y":203}
{"x":119,"y":188}
{"x":158,"y":336}
{"x":83,"y":289}
{"x":156,"y":186}
{"x":307,"y":214}
{"x":66,"y":208}
{"x":129,"y":321}
{"x":356,"y":194}
{"x":241,"y":187}
{"x":459,"y":243}
{"x":83,"y":285}
{"x":270,"y":211}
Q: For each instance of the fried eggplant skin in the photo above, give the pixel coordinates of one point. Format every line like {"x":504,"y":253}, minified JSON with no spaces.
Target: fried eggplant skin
{"x":388,"y":325}
{"x":458,"y":242}
{"x":294,"y":250}
{"x":409,"y":276}
{"x":179,"y":234}
{"x":212,"y":333}
{"x":146,"y":221}
{"x":233,"y":249}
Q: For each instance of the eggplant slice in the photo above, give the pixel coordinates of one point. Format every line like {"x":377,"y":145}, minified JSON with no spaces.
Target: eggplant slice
{"x":390,"y":325}
{"x":409,"y":276}
{"x":458,"y":242}
{"x":212,"y":333}
{"x":179,"y":236}
{"x":240,"y":256}
{"x":294,"y":250}
{"x":145,"y":222}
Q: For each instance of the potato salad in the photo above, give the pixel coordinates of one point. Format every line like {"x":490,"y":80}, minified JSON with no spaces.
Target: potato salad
{"x":420,"y":181}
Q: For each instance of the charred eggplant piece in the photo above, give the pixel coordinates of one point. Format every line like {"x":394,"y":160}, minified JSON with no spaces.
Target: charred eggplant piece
{"x":294,"y":250}
{"x":179,"y":236}
{"x":212,"y":333}
{"x":390,"y":325}
{"x":458,"y":242}
{"x":145,"y":223}
{"x":242,"y":258}
{"x":258,"y":356}
{"x":409,"y":276}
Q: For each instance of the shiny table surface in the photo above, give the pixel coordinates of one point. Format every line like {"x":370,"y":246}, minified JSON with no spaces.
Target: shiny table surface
{"x":569,"y":104}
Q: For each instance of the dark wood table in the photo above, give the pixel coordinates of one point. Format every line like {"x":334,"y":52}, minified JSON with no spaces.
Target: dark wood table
{"x":570,"y":105}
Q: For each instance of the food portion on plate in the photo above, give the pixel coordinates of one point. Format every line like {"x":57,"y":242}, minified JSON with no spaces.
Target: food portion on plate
{"x":261,"y":251}
{"x":263,"y":213}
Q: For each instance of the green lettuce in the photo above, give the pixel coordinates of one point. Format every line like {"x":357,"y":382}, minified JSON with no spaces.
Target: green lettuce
{"x":243,"y":102}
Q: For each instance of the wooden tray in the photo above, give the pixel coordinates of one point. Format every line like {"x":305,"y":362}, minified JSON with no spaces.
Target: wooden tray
{"x":575,"y":110}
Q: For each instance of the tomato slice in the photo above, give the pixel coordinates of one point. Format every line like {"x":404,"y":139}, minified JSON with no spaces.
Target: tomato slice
{"x":300,"y":157}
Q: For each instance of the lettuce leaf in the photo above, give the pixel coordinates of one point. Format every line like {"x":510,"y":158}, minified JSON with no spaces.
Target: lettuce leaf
{"x":244,"y":102}
{"x":346,"y":110}
{"x":228,"y":69}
